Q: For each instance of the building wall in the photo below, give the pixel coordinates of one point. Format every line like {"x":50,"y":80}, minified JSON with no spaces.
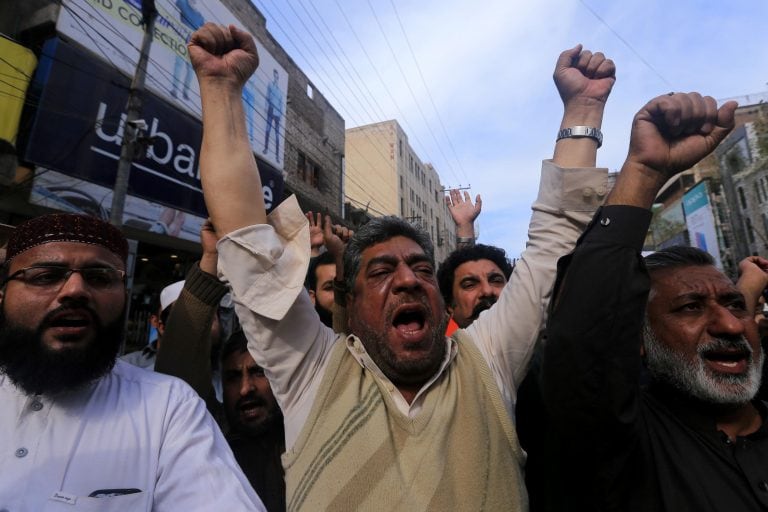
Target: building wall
{"x":441,"y":222}
{"x":314,"y":130}
{"x":385,"y":173}
{"x":372,"y":163}
{"x":738,"y":176}
{"x":748,"y":171}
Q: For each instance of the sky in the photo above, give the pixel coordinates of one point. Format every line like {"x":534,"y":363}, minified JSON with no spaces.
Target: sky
{"x":471,"y":83}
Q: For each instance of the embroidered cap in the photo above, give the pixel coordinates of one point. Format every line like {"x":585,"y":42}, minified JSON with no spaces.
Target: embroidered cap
{"x":66,"y":227}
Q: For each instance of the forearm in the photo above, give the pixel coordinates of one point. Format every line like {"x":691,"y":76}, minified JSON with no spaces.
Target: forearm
{"x":465,"y":230}
{"x":230,"y":177}
{"x":266,"y":266}
{"x":208,"y":263}
{"x":637,"y":185}
{"x":579,"y":151}
{"x":507,"y":334}
{"x":752,"y":291}
{"x":590,"y":377}
{"x":185,"y":348}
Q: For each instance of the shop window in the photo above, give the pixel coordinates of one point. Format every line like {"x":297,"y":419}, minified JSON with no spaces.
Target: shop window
{"x":742,"y":198}
{"x":308,"y":171}
{"x":750,"y":231}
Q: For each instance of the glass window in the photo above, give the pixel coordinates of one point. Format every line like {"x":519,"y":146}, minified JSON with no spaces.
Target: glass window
{"x":742,"y":199}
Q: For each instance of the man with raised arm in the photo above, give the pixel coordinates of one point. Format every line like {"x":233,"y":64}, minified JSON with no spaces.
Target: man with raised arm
{"x":694,"y":438}
{"x":394,"y":415}
{"x":473,"y":276}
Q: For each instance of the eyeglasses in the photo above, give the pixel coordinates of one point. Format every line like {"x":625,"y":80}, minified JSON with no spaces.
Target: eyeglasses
{"x":50,"y":277}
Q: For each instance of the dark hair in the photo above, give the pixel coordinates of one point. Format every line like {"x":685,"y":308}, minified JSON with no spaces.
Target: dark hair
{"x":445,"y":274}
{"x":377,"y":230}
{"x":4,"y":271}
{"x":237,"y":342}
{"x":677,"y":256}
{"x":310,"y":283}
{"x":164,"y":314}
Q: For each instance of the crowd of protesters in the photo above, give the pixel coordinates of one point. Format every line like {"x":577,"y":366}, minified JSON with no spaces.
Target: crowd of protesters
{"x":310,"y":367}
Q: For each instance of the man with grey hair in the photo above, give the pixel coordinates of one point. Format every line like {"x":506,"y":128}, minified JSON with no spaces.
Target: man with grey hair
{"x":737,"y":368}
{"x":693,"y":437}
{"x":393,"y":416}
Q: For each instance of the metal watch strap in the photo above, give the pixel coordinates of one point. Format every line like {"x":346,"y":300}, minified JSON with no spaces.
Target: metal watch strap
{"x":581,"y":131}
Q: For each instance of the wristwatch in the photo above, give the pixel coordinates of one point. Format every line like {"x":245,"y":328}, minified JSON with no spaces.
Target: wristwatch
{"x":581,"y":131}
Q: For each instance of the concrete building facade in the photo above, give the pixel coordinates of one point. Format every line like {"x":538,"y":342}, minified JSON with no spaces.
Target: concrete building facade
{"x":745,"y":170}
{"x":314,"y":130}
{"x":310,"y":162}
{"x":385,"y":176}
{"x":737,"y":177}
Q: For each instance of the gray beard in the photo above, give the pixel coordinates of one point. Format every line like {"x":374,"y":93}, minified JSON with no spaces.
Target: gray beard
{"x":695,"y":379}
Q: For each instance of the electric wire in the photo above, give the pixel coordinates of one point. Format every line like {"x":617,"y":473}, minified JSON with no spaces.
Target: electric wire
{"x":402,"y":117}
{"x":429,"y":93}
{"x":410,"y":89}
{"x":81,"y":21}
{"x":626,"y":43}
{"x":327,"y":87}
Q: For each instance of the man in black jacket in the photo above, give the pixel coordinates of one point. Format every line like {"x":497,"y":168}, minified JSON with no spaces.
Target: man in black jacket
{"x":694,"y":438}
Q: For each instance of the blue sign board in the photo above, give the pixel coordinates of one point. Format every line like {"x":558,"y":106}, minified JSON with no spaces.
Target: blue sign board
{"x":78,"y":130}
{"x":697,"y":197}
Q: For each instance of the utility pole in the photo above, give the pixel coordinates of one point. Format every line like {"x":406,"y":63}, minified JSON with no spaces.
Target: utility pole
{"x":132,"y":112}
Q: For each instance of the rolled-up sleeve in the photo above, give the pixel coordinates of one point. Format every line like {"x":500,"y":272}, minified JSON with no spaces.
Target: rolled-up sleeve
{"x":506,"y":334}
{"x":265,"y":266}
{"x":591,"y":370}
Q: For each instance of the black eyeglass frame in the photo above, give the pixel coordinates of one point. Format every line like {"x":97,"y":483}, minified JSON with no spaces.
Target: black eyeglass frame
{"x":63,"y":274}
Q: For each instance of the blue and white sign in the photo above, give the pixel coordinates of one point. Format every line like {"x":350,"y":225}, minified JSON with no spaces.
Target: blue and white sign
{"x":700,"y":220}
{"x":79,"y":126}
{"x":112,"y":30}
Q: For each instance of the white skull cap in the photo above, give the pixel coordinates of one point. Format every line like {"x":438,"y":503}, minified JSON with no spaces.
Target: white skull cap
{"x":170,"y":294}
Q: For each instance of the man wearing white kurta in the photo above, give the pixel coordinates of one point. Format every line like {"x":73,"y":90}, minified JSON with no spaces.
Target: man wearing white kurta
{"x":79,"y":431}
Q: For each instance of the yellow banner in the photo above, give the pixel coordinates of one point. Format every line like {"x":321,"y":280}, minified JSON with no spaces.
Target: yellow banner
{"x":16,"y":67}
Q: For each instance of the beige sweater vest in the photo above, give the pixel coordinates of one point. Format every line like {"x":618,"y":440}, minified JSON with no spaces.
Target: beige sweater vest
{"x":357,"y":452}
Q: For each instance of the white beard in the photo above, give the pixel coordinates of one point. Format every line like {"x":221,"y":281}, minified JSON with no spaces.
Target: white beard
{"x":695,"y":379}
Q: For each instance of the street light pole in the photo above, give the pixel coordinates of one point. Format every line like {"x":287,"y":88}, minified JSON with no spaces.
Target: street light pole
{"x":133,"y":111}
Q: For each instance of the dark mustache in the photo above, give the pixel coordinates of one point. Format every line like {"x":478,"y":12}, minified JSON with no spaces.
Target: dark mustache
{"x":252,"y":398}
{"x":485,"y":303}
{"x":408,"y":298}
{"x":739,"y":343}
{"x":70,"y":306}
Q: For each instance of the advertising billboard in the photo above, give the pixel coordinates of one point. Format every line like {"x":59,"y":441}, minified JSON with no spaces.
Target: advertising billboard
{"x":113,"y":30}
{"x":78,"y":129}
{"x":66,"y":193}
{"x":701,"y":220}
{"x":668,"y":225}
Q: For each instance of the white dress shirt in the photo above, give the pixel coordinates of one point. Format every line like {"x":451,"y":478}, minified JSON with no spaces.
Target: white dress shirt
{"x":131,"y":441}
